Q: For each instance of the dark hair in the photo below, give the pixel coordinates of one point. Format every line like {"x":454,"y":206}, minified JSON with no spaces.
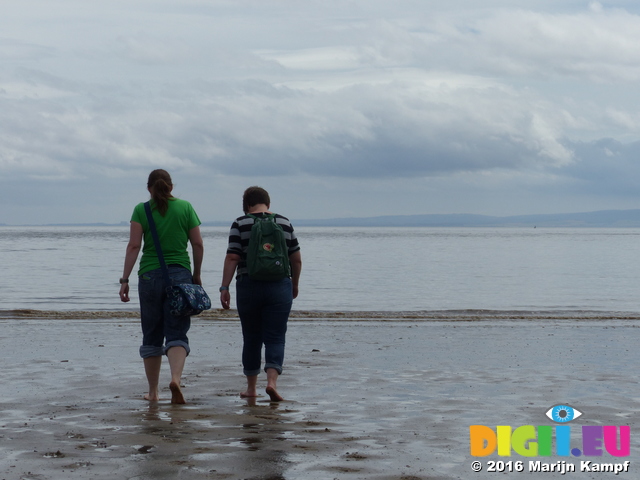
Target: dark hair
{"x":160,"y":186}
{"x":254,"y":196}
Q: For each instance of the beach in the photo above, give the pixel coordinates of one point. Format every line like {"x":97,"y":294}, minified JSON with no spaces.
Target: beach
{"x":376,"y":395}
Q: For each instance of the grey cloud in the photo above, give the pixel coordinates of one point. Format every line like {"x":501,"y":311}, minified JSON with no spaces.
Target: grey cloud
{"x":392,"y":130}
{"x":599,"y":44}
{"x":16,"y":50}
{"x":606,"y":167}
{"x":376,"y":131}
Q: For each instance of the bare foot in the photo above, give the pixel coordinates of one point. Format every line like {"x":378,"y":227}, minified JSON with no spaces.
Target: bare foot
{"x":176,"y":394}
{"x":249,"y":393}
{"x":273,"y":394}
{"x":152,"y":397}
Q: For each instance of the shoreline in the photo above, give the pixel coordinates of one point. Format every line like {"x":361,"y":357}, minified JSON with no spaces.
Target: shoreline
{"x":345,"y":316}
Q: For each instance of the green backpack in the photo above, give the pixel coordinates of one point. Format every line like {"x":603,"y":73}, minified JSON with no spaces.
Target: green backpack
{"x":268,"y":255}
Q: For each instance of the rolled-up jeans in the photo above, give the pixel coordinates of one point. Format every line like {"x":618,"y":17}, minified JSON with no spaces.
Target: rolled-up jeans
{"x":160,"y":329}
{"x":263,"y":308}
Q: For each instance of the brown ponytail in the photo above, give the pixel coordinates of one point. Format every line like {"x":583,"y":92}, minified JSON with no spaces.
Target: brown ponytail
{"x":160,"y":187}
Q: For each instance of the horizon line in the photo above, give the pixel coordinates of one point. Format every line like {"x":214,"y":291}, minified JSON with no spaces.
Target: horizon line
{"x":308,"y":222}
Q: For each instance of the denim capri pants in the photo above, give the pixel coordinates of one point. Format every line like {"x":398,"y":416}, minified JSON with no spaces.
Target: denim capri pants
{"x":263,"y":308}
{"x":160,"y":329}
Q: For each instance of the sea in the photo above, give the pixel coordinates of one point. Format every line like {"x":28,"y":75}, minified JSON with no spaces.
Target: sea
{"x":354,"y":269}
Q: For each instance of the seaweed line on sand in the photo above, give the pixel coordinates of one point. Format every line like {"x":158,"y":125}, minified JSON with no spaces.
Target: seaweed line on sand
{"x":342,"y":316}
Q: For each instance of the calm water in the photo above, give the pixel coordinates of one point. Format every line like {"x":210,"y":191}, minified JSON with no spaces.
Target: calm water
{"x":77,"y":268}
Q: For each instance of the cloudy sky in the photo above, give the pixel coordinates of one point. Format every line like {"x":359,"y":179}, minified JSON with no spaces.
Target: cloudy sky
{"x":339,"y":108}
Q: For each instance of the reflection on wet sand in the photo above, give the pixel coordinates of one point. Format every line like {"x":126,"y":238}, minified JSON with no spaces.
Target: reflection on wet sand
{"x":251,"y":434}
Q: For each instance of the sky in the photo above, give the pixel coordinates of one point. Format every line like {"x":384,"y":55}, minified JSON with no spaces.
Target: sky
{"x":339,"y":108}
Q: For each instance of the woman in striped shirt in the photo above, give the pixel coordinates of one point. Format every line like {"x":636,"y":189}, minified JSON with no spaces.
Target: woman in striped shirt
{"x":263,"y":306}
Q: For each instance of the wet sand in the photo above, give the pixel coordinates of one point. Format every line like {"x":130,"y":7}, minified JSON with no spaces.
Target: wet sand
{"x":368,"y":395}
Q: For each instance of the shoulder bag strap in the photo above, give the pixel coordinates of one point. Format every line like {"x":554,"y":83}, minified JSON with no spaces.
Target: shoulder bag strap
{"x":156,"y":241}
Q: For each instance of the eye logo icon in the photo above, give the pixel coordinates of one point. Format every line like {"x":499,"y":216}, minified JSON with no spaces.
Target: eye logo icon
{"x":563,"y":413}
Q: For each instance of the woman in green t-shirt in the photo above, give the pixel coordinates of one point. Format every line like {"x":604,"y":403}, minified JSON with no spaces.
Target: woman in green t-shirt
{"x":163,"y":334}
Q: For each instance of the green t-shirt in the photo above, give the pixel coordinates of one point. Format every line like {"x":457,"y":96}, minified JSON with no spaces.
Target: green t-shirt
{"x":173,"y":230}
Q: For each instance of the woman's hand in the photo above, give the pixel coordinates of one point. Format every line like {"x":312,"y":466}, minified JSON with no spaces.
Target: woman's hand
{"x":124,"y":292}
{"x":130,"y":257}
{"x":225,"y":299}
{"x":295,"y":260}
{"x":231,"y":261}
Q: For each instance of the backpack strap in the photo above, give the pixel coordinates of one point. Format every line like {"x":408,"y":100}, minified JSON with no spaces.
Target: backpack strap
{"x":269,"y":216}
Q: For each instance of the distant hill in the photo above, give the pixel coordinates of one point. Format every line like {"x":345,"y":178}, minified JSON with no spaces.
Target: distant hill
{"x":603,"y":218}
